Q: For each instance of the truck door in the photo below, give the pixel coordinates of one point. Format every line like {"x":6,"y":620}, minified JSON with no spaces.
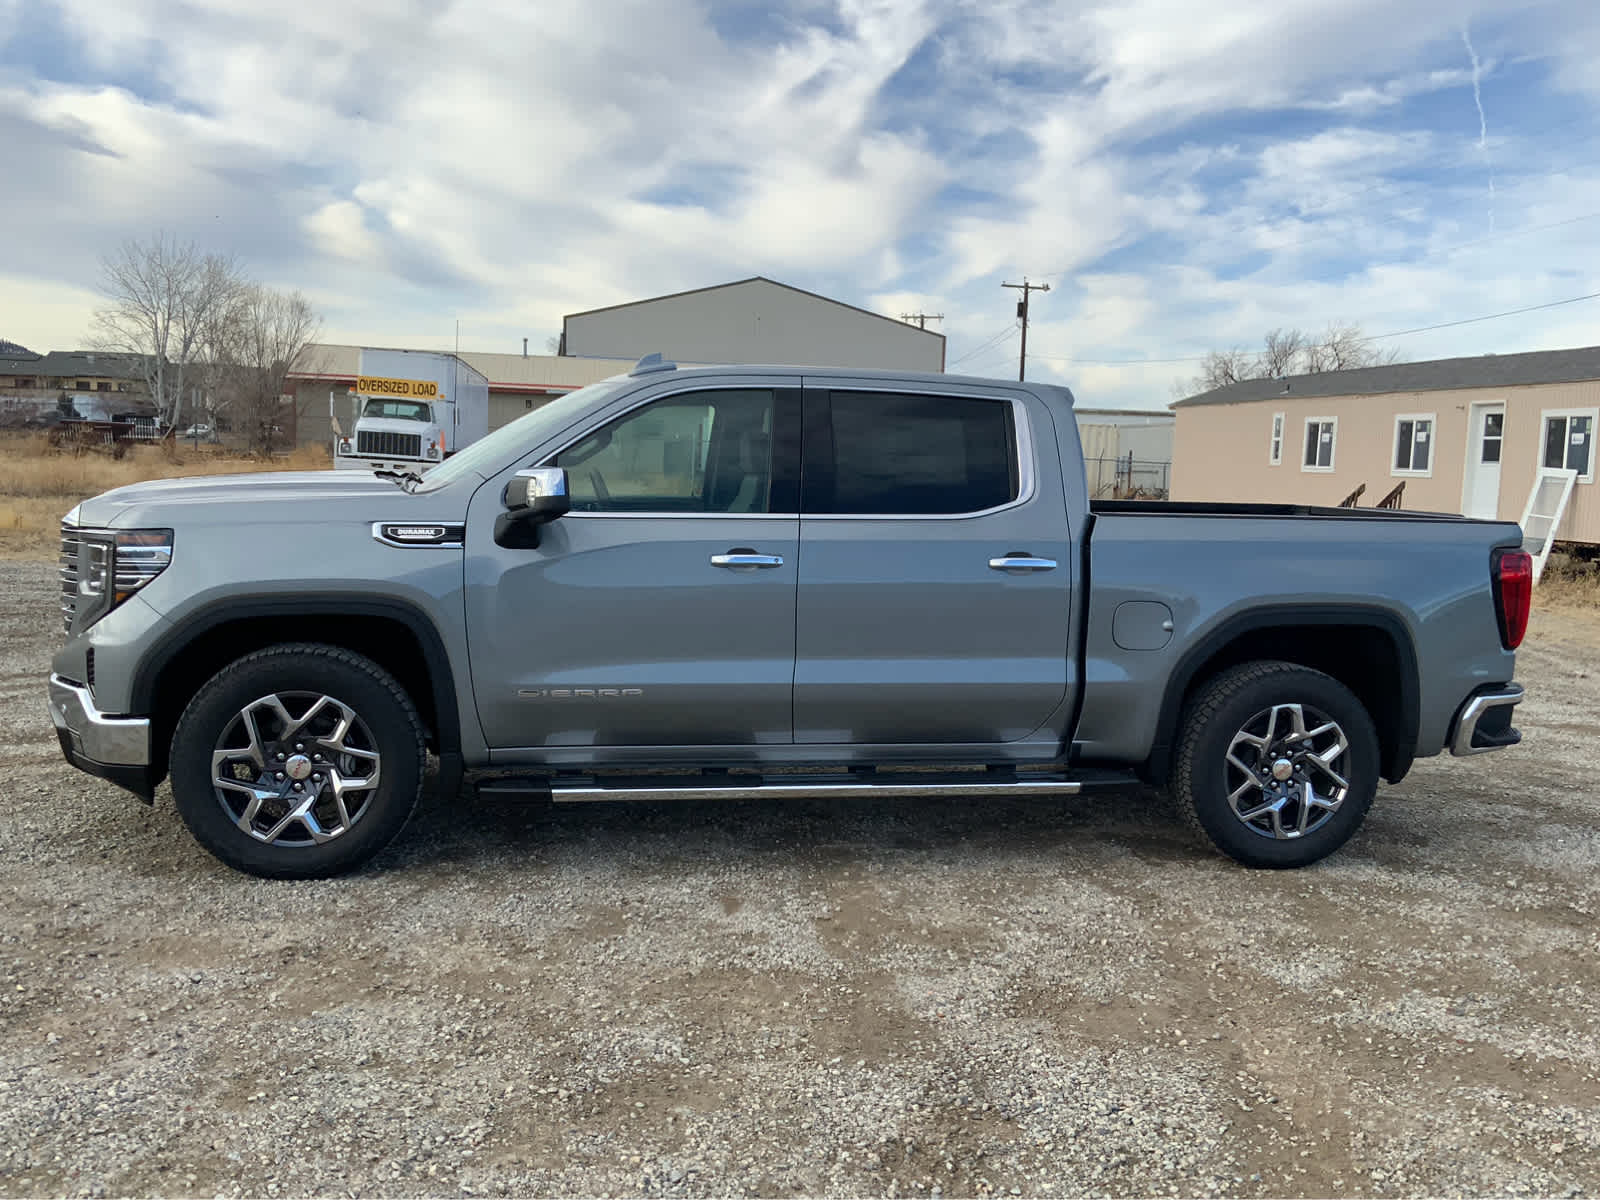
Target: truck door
{"x":660,"y":610}
{"x":935,"y":569}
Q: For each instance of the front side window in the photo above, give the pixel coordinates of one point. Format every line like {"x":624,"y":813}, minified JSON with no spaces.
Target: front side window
{"x":910,"y":455}
{"x":1320,"y":435}
{"x":1275,"y":449}
{"x":704,"y":452}
{"x":1413,"y":444}
{"x":1569,"y":443}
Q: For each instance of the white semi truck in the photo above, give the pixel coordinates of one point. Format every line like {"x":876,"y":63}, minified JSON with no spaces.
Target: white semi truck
{"x":414,"y":409}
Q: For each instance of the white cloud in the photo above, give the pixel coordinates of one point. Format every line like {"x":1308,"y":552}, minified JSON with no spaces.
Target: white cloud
{"x":1187,"y":175}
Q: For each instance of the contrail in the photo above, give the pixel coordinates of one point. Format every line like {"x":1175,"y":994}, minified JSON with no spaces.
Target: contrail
{"x":1483,"y":121}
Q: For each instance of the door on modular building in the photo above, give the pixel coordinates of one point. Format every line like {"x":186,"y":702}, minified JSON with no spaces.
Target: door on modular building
{"x":1485,"y":436}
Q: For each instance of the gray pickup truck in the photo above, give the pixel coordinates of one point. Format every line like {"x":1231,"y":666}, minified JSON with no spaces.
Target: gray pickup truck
{"x":768,"y":582}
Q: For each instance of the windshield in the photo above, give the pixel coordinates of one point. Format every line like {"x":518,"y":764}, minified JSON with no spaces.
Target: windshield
{"x":489,"y":454}
{"x":399,"y":410}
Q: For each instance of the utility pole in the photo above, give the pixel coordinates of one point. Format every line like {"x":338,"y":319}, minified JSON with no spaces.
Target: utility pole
{"x":1022,"y":314}
{"x":921,"y":319}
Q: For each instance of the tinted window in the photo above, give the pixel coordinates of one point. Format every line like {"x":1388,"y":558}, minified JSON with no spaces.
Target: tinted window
{"x":702,"y":452}
{"x":915,"y":455}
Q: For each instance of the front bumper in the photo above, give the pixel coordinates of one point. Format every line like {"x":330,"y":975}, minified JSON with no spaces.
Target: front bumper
{"x":114,"y":748}
{"x":1484,"y":722}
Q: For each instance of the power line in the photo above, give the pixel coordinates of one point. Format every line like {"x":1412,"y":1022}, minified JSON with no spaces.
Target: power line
{"x":921,"y":318}
{"x":1376,"y":337}
{"x":972,"y":363}
{"x":987,"y":342}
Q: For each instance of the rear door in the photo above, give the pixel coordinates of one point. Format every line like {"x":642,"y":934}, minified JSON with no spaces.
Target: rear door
{"x":935,"y":578}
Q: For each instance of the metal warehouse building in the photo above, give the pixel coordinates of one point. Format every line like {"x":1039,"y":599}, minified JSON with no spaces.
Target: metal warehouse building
{"x":754,"y":320}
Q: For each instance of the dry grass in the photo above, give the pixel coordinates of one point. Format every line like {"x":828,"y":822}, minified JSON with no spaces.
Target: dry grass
{"x":39,"y":483}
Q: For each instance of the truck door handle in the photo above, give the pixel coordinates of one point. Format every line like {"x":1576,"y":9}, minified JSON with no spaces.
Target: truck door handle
{"x":741,"y":556}
{"x":1022,"y":562}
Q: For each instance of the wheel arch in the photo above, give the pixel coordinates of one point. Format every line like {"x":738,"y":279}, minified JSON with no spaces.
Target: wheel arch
{"x":1366,"y":648}
{"x":393,"y":633}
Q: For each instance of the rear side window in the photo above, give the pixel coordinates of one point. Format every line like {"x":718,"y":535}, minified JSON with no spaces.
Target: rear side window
{"x":912,"y":455}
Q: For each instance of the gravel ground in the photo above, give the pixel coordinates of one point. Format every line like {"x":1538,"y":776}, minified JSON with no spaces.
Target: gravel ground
{"x":903,"y":998}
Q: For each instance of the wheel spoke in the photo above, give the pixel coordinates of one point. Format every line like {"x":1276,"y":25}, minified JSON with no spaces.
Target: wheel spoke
{"x":1245,"y":787}
{"x":1259,"y":810}
{"x":297,"y":813}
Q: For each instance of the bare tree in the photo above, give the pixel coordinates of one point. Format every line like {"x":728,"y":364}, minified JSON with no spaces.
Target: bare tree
{"x":1341,"y":347}
{"x":163,"y":297}
{"x":258,"y":341}
{"x":1280,"y":353}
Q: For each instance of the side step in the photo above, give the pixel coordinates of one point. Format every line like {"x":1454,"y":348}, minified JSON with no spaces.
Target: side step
{"x":578,"y":788}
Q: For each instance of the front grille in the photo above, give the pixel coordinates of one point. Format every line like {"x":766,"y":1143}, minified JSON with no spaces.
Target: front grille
{"x":69,"y":575}
{"x":393,"y":445}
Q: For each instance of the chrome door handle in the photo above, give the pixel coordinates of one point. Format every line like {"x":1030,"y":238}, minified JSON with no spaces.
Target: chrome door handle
{"x":746,"y":558}
{"x":1022,"y":562}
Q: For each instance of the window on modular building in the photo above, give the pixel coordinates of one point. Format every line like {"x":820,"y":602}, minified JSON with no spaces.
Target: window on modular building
{"x":1494,"y":430}
{"x":1275,"y":453}
{"x":1320,"y":434}
{"x":1569,"y":442}
{"x":1413,"y":444}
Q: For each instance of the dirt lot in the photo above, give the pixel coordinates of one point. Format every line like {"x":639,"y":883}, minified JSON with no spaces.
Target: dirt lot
{"x":907,"y":998}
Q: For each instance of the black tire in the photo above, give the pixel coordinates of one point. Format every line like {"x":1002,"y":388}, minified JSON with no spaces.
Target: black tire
{"x":385,"y":725}
{"x":1232,"y":706}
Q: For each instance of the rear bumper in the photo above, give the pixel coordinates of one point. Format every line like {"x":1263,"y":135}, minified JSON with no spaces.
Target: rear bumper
{"x":1484,"y":722}
{"x":114,"y":748}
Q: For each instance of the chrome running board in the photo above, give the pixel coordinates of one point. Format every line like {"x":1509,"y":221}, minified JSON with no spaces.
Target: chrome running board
{"x":571,"y":789}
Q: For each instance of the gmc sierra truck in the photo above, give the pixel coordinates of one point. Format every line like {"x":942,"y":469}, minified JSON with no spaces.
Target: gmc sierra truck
{"x":768,"y":582}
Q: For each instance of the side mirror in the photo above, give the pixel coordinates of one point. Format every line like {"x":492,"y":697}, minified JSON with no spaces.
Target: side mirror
{"x":532,"y":498}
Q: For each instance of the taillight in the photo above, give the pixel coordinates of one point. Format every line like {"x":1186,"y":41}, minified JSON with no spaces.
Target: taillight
{"x":1513,"y":594}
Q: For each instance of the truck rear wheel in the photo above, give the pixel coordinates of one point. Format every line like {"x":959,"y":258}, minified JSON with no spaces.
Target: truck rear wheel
{"x":1276,"y":764}
{"x":298,"y":761}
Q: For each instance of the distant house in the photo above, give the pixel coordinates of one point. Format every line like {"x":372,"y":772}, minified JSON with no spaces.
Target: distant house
{"x":94,"y":381}
{"x":1465,"y":435}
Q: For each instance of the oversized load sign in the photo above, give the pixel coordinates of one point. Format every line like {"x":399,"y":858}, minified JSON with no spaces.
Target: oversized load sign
{"x":411,"y":389}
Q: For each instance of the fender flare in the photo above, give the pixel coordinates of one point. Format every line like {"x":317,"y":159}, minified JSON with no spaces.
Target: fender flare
{"x":1396,"y":763}
{"x":193,"y":626}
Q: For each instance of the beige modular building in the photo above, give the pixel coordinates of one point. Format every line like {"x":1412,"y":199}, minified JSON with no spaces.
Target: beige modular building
{"x":1467,"y":435}
{"x":754,"y":320}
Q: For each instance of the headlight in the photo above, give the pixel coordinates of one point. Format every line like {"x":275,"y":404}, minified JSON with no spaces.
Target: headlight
{"x":113,"y":565}
{"x":433,"y":450}
{"x":344,"y":445}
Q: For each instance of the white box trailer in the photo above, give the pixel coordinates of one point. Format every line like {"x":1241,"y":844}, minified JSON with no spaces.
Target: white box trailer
{"x":414,"y":409}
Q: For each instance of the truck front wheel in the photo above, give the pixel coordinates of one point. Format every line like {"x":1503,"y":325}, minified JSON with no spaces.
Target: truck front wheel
{"x":1276,"y":764}
{"x":298,"y":761}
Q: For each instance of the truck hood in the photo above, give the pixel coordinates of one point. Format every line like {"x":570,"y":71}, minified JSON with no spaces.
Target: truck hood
{"x":277,"y":497}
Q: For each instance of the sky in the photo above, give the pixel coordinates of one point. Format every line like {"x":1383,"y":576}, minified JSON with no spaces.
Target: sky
{"x":1184,"y":174}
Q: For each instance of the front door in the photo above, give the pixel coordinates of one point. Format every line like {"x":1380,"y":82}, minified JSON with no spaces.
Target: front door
{"x":1481,"y":491}
{"x":660,"y":610}
{"x":935,"y":571}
